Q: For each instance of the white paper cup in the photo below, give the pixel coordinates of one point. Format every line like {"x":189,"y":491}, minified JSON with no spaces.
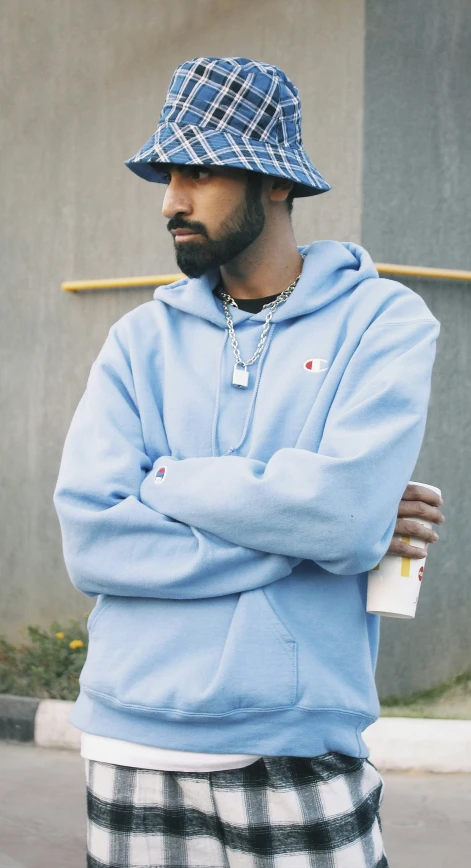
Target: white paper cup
{"x":394,"y":585}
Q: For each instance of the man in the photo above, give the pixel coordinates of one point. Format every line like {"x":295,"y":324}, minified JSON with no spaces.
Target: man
{"x":231,"y":474}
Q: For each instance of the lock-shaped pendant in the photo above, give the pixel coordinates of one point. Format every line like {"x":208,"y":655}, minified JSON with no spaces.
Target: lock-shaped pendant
{"x":240,"y":377}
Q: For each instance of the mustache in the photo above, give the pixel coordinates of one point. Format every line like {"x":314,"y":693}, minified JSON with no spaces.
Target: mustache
{"x":177,"y":222}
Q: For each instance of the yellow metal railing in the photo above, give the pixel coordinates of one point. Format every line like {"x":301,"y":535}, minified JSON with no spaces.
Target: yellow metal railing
{"x":163,"y":279}
{"x":423,"y":271}
{"x":117,"y":282}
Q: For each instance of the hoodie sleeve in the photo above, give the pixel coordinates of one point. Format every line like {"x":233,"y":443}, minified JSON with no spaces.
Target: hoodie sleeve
{"x":115,"y":540}
{"x":337,"y":506}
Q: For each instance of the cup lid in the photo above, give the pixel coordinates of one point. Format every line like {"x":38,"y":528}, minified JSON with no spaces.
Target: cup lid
{"x":426,"y":485}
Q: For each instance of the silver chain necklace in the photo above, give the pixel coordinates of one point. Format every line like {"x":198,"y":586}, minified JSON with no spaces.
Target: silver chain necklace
{"x":240,"y":376}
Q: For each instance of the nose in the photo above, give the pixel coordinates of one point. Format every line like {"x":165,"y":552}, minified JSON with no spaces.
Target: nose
{"x":176,"y":199}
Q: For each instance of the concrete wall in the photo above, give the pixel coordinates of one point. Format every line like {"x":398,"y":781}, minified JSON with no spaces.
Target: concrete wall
{"x":417,"y":190}
{"x":82,"y":86}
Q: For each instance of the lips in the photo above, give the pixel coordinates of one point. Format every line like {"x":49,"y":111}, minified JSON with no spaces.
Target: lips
{"x":183,"y":234}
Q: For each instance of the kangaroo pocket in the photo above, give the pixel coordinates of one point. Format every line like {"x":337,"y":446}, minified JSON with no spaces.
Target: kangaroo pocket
{"x":208,"y":656}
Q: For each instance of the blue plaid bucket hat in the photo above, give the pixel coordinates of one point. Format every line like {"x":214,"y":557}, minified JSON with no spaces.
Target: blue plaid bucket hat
{"x":231,"y":111}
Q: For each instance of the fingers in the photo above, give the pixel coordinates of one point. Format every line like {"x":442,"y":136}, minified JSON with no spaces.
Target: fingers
{"x":426,"y":495}
{"x":408,"y":527}
{"x":417,"y":503}
{"x":398,"y":547}
{"x":420,"y":509}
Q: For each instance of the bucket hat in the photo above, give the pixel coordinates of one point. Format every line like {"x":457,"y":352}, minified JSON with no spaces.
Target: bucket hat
{"x":231,"y":111}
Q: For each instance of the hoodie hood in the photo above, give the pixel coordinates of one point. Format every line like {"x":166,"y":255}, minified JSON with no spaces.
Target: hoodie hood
{"x":331,"y":269}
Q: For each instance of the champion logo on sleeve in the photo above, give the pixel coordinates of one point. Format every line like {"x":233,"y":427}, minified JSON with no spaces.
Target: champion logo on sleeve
{"x":160,"y":474}
{"x":316,"y":365}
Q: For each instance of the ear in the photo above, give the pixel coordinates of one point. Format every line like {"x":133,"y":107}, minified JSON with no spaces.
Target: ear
{"x":279,"y":189}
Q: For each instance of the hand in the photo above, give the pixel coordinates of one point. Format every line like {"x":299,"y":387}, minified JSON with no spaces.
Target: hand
{"x":417,"y":502}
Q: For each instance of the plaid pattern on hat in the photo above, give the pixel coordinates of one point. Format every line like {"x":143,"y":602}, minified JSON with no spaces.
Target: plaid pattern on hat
{"x":279,"y":812}
{"x":231,"y":111}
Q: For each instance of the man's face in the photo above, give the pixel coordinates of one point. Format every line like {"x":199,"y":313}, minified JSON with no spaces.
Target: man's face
{"x":213,"y":213}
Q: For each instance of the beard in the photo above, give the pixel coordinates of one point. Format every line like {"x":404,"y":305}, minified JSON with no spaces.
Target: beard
{"x":236,"y":233}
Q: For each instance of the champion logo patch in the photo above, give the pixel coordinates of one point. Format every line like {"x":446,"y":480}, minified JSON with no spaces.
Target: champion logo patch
{"x":160,"y":474}
{"x":315,"y":366}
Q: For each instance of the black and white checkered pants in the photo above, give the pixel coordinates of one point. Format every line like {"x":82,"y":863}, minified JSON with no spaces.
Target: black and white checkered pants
{"x":280,"y":812}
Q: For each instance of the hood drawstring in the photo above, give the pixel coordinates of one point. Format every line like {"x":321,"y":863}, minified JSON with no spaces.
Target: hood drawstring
{"x":215,"y":451}
{"x":214,"y":443}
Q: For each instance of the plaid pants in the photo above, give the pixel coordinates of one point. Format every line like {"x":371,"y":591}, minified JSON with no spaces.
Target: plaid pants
{"x":280,"y":812}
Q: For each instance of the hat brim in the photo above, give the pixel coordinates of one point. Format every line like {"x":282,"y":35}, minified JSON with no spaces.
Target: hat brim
{"x":196,"y":146}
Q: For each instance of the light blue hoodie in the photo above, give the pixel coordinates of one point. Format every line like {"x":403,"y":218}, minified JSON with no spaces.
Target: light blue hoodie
{"x":228,"y":532}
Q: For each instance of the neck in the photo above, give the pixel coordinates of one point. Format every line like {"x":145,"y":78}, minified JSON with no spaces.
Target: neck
{"x":268,"y":266}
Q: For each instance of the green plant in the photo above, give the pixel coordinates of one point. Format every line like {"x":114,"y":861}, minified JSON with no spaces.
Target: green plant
{"x":431,"y":695}
{"x":450,"y":700}
{"x":49,"y":665}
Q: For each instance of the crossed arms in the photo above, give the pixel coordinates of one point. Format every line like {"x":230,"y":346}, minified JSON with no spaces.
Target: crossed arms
{"x":224,"y":525}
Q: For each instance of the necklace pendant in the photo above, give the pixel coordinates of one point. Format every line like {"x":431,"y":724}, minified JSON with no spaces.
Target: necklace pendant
{"x":240,"y":378}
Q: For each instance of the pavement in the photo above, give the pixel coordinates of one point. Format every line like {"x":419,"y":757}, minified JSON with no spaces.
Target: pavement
{"x":426,"y":817}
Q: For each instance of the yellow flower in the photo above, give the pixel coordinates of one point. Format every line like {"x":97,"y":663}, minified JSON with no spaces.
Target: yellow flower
{"x":76,"y":643}
{"x":59,"y":635}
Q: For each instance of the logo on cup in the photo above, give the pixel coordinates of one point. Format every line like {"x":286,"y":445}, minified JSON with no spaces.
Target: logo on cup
{"x":421,"y":573}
